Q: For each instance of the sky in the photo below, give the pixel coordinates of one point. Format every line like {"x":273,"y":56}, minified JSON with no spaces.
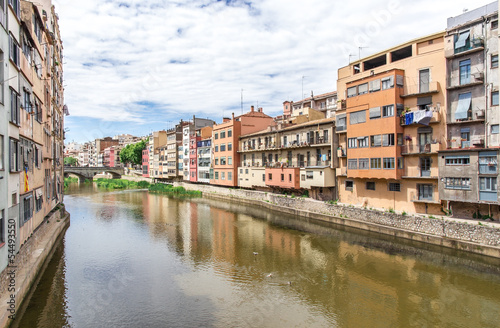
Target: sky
{"x":137,"y":66}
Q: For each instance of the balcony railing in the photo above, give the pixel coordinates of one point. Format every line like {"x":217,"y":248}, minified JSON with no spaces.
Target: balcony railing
{"x":294,"y":163}
{"x":435,"y":117}
{"x":420,"y":148}
{"x":340,"y":128}
{"x":472,"y":44}
{"x":488,"y":168}
{"x":418,"y":89}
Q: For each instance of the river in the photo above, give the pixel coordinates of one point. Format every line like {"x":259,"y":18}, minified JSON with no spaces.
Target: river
{"x":134,"y":259}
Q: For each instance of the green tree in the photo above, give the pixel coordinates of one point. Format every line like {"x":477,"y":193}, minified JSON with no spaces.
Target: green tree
{"x":133,"y":153}
{"x":70,"y":161}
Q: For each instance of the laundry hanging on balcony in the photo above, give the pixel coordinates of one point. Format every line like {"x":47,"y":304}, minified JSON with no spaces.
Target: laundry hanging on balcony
{"x":419,"y":117}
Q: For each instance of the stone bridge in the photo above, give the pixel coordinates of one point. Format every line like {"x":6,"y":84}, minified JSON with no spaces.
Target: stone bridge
{"x":89,"y":172}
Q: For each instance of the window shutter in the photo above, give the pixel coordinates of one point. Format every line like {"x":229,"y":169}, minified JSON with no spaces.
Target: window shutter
{"x":399,"y":80}
{"x":374,"y":112}
{"x":375,"y":85}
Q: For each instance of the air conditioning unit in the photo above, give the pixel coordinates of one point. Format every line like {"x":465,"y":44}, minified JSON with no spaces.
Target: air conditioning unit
{"x":478,"y":141}
{"x":480,"y":113}
{"x":478,"y":76}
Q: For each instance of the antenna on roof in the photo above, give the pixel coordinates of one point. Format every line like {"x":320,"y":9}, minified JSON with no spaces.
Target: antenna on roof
{"x":465,"y":10}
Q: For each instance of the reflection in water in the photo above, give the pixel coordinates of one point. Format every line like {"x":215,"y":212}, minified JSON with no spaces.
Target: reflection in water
{"x":135,"y":259}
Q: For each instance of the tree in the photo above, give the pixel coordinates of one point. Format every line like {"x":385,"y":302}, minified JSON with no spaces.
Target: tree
{"x":133,"y":153}
{"x":70,"y":161}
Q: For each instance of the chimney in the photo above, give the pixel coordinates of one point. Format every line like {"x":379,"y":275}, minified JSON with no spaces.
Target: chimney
{"x":251,"y":108}
{"x":233,"y":116}
{"x":260,"y":110}
{"x":194,"y":119}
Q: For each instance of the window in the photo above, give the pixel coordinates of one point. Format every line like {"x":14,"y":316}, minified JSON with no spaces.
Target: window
{"x":229,"y":146}
{"x":462,"y":41}
{"x":309,"y":175}
{"x":222,"y":161}
{"x":388,"y":139}
{"x":222,"y":134}
{"x":14,"y":107}
{"x":494,"y":61}
{"x":216,"y":148}
{"x":424,"y":76}
{"x":270,"y":176}
{"x":375,"y":85}
{"x":229,"y":133}
{"x":375,"y":163}
{"x":27,"y":209}
{"x":349,"y":185}
{"x":388,"y":110}
{"x":230,"y":160}
{"x":223,"y":175}
{"x":488,"y":184}
{"x":217,"y":161}
{"x":387,"y":82}
{"x":216,"y":135}
{"x":457,"y":160}
{"x":400,"y":139}
{"x":1,"y":153}
{"x":464,"y":71}
{"x":457,"y":183}
{"x":282,"y":177}
{"x":488,"y":162}
{"x":357,"y":117}
{"x":230,"y":176}
{"x":351,"y":92}
{"x":363,"y":142}
{"x":15,"y":5}
{"x":494,"y":24}
{"x":394,"y":186}
{"x":364,"y":164}
{"x":370,"y":185}
{"x":494,"y":129}
{"x":362,"y":89}
{"x":425,"y":192}
{"x":388,"y":162}
{"x":494,"y":98}
{"x":401,"y":163}
{"x":14,"y":155}
{"x":263,"y":177}
{"x":289,"y":177}
{"x":352,"y":142}
{"x":223,"y":147}
{"x":376,"y":141}
{"x":14,"y":50}
{"x":374,"y":113}
{"x":352,"y":164}
{"x":464,"y":105}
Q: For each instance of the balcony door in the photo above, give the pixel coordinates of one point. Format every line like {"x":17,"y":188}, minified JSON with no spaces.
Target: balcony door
{"x":424,"y":78}
{"x":424,"y":139}
{"x":425,"y":166}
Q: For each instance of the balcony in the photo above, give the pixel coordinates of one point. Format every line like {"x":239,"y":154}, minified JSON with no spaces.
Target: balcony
{"x":341,"y":153}
{"x":415,"y":172}
{"x":455,"y":82}
{"x":427,"y":148}
{"x":422,"y":117}
{"x":416,"y":90}
{"x":341,"y":171}
{"x":292,"y":164}
{"x":341,"y":129}
{"x":473,"y":45}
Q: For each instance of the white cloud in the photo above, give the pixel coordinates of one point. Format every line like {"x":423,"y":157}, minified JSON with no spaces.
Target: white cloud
{"x":194,"y":57}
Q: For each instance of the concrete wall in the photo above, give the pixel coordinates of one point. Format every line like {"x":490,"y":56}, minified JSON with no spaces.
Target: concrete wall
{"x":459,"y":234}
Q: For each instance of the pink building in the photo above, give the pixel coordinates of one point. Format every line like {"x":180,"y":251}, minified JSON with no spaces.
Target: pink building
{"x":145,"y":163}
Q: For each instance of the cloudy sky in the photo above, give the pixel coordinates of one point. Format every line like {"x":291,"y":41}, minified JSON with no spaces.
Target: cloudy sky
{"x":135,"y":66}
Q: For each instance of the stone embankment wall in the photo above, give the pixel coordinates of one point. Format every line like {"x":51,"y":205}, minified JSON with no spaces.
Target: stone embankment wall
{"x":30,"y":262}
{"x":469,"y":235}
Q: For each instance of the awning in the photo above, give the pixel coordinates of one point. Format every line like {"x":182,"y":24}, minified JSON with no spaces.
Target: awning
{"x":422,"y":101}
{"x":462,"y":39}
{"x":464,"y":101}
{"x":39,"y":193}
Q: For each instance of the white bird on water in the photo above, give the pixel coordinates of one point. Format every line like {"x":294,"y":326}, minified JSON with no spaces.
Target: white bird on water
{"x":270,"y":275}
{"x":255,"y":253}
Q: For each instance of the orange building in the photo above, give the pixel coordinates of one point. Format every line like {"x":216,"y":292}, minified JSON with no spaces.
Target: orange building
{"x":225,"y":142}
{"x":390,"y":128}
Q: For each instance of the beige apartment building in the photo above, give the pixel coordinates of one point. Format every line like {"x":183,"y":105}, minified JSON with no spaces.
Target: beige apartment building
{"x":391,"y":125}
{"x":291,"y":157}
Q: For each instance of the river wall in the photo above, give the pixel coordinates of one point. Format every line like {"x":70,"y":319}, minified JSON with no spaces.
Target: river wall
{"x":469,"y":235}
{"x":30,"y":263}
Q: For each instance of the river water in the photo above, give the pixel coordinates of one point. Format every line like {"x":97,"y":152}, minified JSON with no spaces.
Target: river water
{"x":134,"y":259}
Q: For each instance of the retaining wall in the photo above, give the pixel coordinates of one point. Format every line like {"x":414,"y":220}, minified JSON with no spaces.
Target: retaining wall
{"x":469,"y":235}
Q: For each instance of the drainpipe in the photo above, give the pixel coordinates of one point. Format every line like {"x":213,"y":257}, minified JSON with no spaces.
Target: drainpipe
{"x":486,"y":96}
